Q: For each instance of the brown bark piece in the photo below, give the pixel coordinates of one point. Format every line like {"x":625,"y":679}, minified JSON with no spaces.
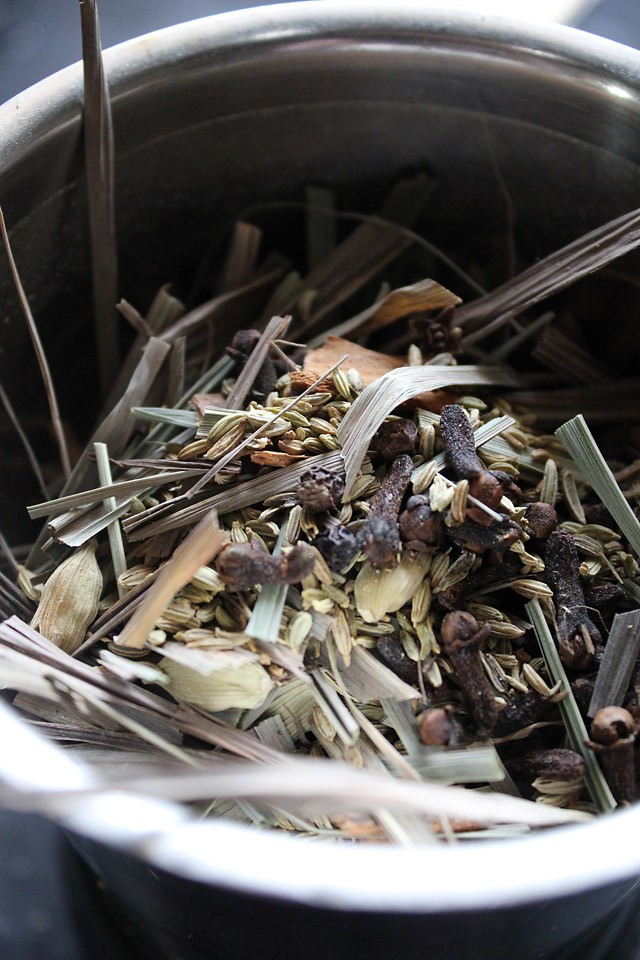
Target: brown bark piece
{"x":370,"y":365}
{"x":202,"y":401}
{"x":273,"y":458}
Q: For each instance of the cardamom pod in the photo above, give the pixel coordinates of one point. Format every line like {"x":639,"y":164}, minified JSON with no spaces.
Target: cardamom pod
{"x":69,"y":599}
{"x":240,"y":685}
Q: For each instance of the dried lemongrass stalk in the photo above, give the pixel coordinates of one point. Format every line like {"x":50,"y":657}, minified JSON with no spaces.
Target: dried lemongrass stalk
{"x":118,"y":559}
{"x":202,"y":544}
{"x":24,"y":439}
{"x":243,"y":495}
{"x":69,"y":599}
{"x":424,"y":295}
{"x":277,"y":327}
{"x":99,"y":161}
{"x":377,"y":401}
{"x":576,"y":730}
{"x":45,"y":372}
{"x":242,"y":256}
{"x":595,"y":470}
{"x":619,"y":659}
{"x":555,"y":272}
{"x":119,"y":489}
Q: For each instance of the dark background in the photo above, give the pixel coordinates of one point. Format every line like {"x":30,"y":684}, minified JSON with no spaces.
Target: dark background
{"x":50,"y":906}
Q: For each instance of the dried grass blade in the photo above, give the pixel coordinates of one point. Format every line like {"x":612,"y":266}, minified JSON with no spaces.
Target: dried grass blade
{"x":471,"y":765}
{"x":367,"y":249}
{"x":24,"y":439}
{"x":200,"y":546}
{"x":368,"y":679}
{"x":266,"y":616}
{"x":13,"y":601}
{"x":141,"y":731}
{"x":632,"y":590}
{"x":221,"y":309}
{"x":599,"y":402}
{"x":99,"y":161}
{"x":334,"y":709}
{"x":118,"y":559}
{"x":564,"y":356}
{"x":115,"y":430}
{"x":619,"y":659}
{"x":382,"y":396}
{"x":517,"y":339}
{"x":89,"y":524}
{"x":242,"y":256}
{"x":425,"y":295}
{"x":324,"y":786}
{"x":245,"y":494}
{"x":54,"y":411}
{"x":555,"y":272}
{"x":275,"y":329}
{"x":121,"y":488}
{"x":176,"y":378}
{"x":576,"y":730}
{"x":171,"y":416}
{"x":594,"y":469}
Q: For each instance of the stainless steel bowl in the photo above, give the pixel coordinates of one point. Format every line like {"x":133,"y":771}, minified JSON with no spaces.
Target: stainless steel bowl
{"x":213,"y":116}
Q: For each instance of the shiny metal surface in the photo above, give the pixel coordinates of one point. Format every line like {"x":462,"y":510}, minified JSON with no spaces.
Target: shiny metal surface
{"x":210,"y":118}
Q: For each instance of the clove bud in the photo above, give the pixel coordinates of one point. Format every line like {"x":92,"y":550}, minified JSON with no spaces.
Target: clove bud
{"x":613,"y":734}
{"x":320,"y":490}
{"x":394,"y":437}
{"x":461,"y":638}
{"x":379,"y":536}
{"x":577,"y":634}
{"x":420,"y":527}
{"x":242,"y":565}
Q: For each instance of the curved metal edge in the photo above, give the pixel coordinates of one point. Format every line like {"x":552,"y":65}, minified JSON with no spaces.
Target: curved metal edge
{"x":56,"y":101}
{"x":475,"y":876}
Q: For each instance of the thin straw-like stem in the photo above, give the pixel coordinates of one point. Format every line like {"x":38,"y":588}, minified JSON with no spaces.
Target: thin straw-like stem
{"x":47,"y":379}
{"x":26,"y":443}
{"x":98,"y":151}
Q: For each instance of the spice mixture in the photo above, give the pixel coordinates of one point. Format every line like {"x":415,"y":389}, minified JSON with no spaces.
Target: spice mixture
{"x":335,"y":551}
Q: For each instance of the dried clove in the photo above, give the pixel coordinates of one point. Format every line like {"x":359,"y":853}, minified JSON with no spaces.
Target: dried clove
{"x":461,"y":638}
{"x":438,"y":334}
{"x":494,"y":569}
{"x":379,"y":536}
{"x":553,"y":764}
{"x":613,"y":734}
{"x":394,"y":437}
{"x":439,"y":727}
{"x":582,"y":690}
{"x":337,"y":545}
{"x":577,"y":634}
{"x":420,"y":526}
{"x":489,"y":486}
{"x":497,"y":537}
{"x":459,"y":445}
{"x":320,"y":490}
{"x":242,"y":565}
{"x":390,"y":651}
{"x":542,"y":520}
{"x":604,"y":598}
{"x":522,"y":710}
